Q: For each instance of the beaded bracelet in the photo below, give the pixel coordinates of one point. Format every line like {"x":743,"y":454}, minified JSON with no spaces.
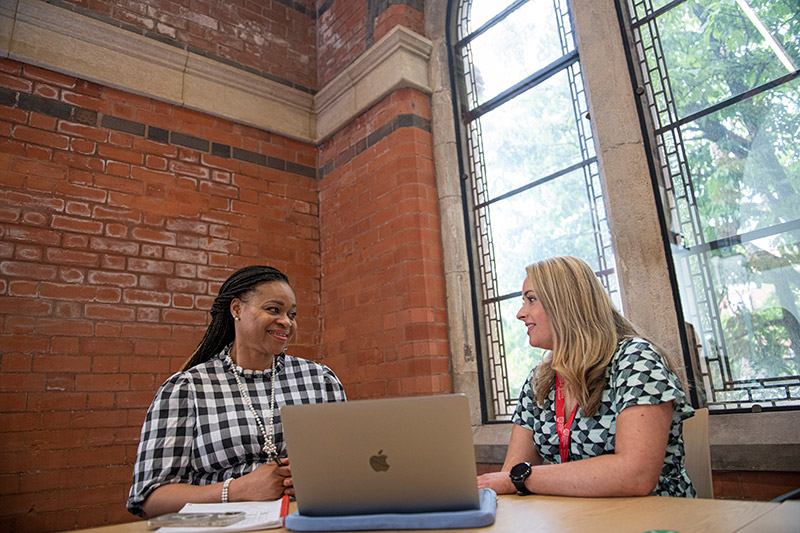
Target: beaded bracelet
{"x":225,"y":489}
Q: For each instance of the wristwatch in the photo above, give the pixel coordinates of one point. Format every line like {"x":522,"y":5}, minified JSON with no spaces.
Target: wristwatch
{"x":518,"y":474}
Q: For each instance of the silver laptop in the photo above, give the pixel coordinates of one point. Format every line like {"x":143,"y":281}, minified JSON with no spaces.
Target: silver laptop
{"x":396,"y":455}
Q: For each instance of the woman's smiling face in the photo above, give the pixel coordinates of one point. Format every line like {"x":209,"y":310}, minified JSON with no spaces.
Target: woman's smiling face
{"x":540,"y":334}
{"x":266,"y":318}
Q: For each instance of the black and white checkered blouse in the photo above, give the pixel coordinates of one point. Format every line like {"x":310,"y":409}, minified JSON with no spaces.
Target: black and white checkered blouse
{"x":637,"y":375}
{"x":200,"y":431}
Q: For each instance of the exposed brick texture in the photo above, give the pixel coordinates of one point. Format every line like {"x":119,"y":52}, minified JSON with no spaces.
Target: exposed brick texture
{"x":277,"y":38}
{"x":120,"y":216}
{"x":398,"y":15}
{"x":754,"y":485}
{"x":112,"y":246}
{"x":346,"y":28}
{"x":382,"y":274}
{"x":341,"y":35}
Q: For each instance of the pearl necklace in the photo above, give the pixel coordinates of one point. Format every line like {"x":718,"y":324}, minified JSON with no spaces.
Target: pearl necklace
{"x":269,"y":440}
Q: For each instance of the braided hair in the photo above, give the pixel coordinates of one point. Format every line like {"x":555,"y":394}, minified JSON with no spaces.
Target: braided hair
{"x":220,"y":331}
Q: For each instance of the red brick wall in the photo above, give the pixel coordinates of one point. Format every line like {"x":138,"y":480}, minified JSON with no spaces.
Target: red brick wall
{"x":760,"y":486}
{"x":117,"y":224}
{"x":300,"y":42}
{"x":341,"y":35}
{"x":277,"y":37}
{"x":399,"y":15}
{"x":383,"y":298}
{"x":346,"y":28}
{"x":120,"y":216}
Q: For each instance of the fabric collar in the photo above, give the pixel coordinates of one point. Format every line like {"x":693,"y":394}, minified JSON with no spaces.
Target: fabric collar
{"x":224,"y":355}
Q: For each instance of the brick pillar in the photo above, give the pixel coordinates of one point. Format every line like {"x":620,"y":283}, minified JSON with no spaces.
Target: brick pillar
{"x":383,"y":297}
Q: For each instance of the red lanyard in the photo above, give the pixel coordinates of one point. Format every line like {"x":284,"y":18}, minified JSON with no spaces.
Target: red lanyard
{"x":562,"y":428}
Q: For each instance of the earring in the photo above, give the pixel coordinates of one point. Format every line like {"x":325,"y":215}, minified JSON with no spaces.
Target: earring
{"x":236,"y":318}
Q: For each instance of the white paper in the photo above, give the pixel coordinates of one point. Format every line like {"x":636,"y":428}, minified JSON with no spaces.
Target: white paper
{"x":259,"y":515}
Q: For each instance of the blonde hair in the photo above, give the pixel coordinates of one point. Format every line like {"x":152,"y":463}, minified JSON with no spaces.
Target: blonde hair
{"x":586,"y":329}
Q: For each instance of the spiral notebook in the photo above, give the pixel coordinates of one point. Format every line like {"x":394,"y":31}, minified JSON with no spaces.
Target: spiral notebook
{"x":396,"y":455}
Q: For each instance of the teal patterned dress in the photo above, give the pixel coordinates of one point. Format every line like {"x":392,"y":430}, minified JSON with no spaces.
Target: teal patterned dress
{"x":637,"y":375}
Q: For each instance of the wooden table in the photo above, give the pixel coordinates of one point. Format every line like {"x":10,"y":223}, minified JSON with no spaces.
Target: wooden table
{"x":784,"y":519}
{"x":545,"y":514}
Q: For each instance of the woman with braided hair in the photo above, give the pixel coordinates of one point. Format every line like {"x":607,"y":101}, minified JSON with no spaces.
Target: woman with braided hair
{"x":213,"y":432}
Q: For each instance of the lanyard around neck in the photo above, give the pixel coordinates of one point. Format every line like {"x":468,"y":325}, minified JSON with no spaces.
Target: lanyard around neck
{"x":562,"y":428}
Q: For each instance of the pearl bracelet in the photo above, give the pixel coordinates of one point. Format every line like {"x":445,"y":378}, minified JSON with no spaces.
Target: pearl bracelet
{"x":225,"y":489}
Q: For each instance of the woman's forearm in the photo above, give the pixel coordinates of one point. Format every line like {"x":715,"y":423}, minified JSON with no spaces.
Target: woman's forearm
{"x":265,"y":483}
{"x":520,"y":448}
{"x":632,"y":470}
{"x":602,"y":476}
{"x":172,"y":497}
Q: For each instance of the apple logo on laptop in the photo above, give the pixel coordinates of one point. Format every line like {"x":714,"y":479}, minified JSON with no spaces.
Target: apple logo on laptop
{"x":378,"y":462}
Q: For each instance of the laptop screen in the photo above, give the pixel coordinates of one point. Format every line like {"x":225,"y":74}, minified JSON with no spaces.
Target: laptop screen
{"x":395,"y":455}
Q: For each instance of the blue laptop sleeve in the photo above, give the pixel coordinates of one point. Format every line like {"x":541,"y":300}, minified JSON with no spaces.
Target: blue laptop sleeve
{"x":431,"y":520}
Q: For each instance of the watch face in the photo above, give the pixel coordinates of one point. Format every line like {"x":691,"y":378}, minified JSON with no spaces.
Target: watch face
{"x":520,"y":471}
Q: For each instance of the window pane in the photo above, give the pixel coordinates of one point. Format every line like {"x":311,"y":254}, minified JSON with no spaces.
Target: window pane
{"x":640,"y":9}
{"x":534,"y":180}
{"x":530,"y":137}
{"x":731,"y":179}
{"x":548,"y":220}
{"x":520,"y":356}
{"x":714,"y":50}
{"x":482,"y":11}
{"x":523,"y":43}
{"x":758,"y":353}
{"x":748,"y":179}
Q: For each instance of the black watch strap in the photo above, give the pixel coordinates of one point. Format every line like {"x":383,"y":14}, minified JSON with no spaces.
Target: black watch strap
{"x":518,"y":474}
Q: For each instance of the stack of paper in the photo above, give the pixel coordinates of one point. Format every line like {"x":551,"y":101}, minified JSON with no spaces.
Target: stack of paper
{"x":259,"y":515}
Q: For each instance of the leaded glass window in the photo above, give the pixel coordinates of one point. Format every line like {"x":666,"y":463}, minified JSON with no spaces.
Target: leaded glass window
{"x":533,"y":189}
{"x":719,"y":80}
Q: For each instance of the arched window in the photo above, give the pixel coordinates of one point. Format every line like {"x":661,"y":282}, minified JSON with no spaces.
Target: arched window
{"x":532,"y":185}
{"x":722,"y":100}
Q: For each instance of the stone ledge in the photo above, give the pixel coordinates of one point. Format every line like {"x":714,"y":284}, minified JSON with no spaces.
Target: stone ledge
{"x":64,"y":41}
{"x":756,"y":457}
{"x":58,"y":39}
{"x":398,"y":61}
{"x":491,"y":442}
{"x":222,"y":90}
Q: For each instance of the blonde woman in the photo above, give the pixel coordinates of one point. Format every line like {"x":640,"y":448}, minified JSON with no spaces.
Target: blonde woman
{"x":602,"y":414}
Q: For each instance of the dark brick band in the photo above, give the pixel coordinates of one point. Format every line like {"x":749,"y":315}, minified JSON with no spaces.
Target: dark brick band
{"x":60,"y":110}
{"x":51,"y":108}
{"x":121,"y":124}
{"x":400,"y":121}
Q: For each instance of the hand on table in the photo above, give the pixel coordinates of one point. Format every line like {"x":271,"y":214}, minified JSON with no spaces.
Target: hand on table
{"x":497,"y":481}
